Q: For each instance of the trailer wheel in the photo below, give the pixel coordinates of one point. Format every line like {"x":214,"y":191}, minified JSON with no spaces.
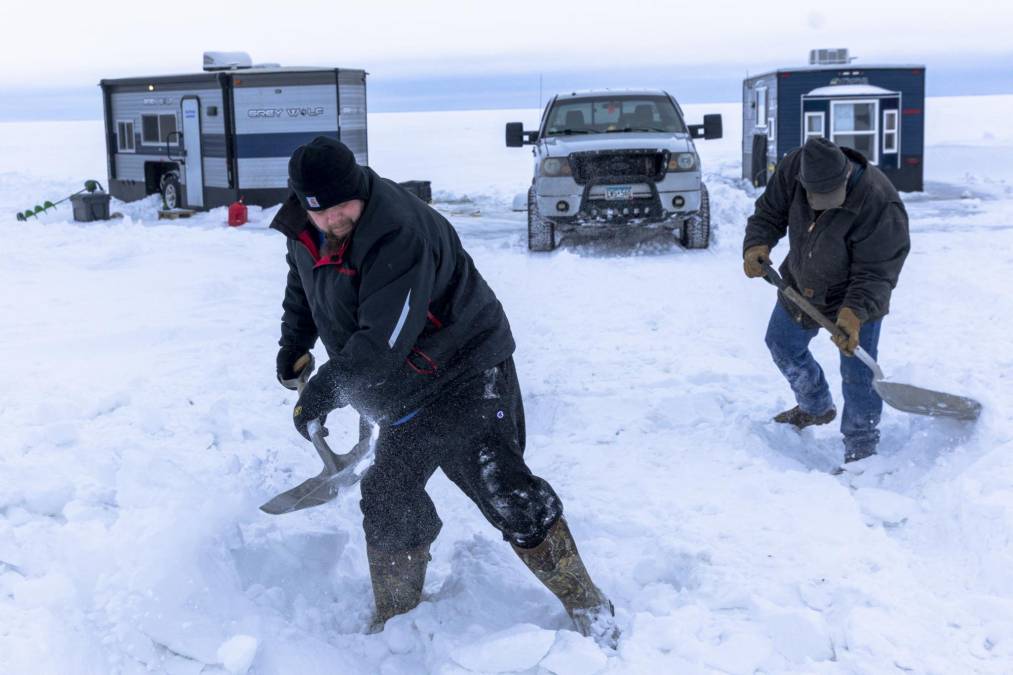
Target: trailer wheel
{"x":696,"y":231}
{"x":541,"y":232}
{"x":170,"y":189}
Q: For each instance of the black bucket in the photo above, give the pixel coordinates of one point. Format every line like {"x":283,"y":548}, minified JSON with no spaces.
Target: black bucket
{"x":90,"y":206}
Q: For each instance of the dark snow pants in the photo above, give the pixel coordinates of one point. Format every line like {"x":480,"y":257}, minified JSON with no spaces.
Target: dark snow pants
{"x":789,"y":346}
{"x":475,"y":433}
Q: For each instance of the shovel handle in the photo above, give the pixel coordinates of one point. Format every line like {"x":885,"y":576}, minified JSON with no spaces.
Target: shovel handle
{"x":320,"y":445}
{"x":304,"y":368}
{"x":866,"y":358}
{"x":300,"y":363}
{"x":771,"y":275}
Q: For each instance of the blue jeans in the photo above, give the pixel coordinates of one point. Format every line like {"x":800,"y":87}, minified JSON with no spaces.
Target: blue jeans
{"x":789,"y":346}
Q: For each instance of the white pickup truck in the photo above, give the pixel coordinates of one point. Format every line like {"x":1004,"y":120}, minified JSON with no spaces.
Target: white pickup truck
{"x":610,"y":161}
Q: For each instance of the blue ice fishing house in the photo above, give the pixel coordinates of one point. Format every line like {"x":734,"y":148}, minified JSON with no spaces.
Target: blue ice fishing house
{"x":878,"y":110}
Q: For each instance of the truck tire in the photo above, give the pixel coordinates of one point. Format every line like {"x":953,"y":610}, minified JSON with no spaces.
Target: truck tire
{"x":541,"y":232}
{"x":172,"y":196}
{"x":696,"y":231}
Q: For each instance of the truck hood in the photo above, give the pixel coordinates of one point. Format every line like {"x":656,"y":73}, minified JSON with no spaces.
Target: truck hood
{"x":561,"y":146}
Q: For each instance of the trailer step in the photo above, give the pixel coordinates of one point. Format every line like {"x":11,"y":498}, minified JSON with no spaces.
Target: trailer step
{"x":174,"y":214}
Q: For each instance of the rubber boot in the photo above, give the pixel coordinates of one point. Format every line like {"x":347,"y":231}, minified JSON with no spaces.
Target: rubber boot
{"x":856,"y":452}
{"x":557,"y":564}
{"x":397,"y":581}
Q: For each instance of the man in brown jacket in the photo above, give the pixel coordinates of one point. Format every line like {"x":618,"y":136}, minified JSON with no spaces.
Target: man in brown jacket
{"x":847,"y":241}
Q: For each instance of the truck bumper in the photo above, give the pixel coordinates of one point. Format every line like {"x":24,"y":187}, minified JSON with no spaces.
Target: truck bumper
{"x":675,"y":197}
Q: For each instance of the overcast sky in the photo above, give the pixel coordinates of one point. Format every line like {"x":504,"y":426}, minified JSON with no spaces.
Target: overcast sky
{"x":60,"y":44}
{"x":450,"y":54}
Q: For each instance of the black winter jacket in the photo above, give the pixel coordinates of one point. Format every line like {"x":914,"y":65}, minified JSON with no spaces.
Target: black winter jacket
{"x":850,"y":256}
{"x":400,"y":307}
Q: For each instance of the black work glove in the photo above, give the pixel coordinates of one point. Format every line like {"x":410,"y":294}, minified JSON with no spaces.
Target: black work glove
{"x":320,"y":396}
{"x":290,"y":365}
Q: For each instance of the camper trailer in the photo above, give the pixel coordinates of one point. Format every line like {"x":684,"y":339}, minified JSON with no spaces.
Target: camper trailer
{"x":211,"y":138}
{"x":878,"y":110}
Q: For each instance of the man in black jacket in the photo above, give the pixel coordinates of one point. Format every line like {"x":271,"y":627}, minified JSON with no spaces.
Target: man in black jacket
{"x":418,"y":344}
{"x":848,"y":238}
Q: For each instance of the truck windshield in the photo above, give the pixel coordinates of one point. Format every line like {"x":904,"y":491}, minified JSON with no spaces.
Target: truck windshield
{"x":600,"y":115}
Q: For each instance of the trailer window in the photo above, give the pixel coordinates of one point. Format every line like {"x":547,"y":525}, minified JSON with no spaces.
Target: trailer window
{"x":853,"y":124}
{"x":149,"y":129}
{"x":813,"y":124}
{"x":890,"y":131}
{"x":157,"y":129}
{"x":167,"y":129}
{"x":125,"y":136}
{"x":761,"y":107}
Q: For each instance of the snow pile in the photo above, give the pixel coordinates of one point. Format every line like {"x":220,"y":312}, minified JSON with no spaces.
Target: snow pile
{"x":517,"y":648}
{"x":142,"y":426}
{"x":237,"y":653}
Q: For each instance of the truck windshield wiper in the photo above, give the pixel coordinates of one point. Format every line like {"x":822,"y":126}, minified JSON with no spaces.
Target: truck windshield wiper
{"x":567,"y":132}
{"x":636,"y":129}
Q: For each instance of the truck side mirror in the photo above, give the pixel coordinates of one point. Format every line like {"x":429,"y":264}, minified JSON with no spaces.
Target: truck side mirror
{"x":516,"y":137}
{"x":710,"y":129}
{"x":514,"y":134}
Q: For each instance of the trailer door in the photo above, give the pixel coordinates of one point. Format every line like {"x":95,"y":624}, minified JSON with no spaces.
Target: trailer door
{"x":194,"y":165}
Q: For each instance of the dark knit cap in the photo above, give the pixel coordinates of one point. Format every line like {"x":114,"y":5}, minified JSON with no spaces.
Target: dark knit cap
{"x":323,"y":173}
{"x":824,"y":173}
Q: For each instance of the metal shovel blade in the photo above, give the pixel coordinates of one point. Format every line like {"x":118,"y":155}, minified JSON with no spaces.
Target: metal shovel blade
{"x":912,"y":399}
{"x":323,"y":487}
{"x":904,"y":397}
{"x":311,"y":492}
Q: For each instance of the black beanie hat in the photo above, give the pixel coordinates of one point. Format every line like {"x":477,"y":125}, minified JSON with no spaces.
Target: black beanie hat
{"x":323,"y":173}
{"x":824,"y":166}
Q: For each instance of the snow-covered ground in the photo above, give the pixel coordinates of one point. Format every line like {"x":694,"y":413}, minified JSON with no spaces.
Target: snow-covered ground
{"x":141,"y":426}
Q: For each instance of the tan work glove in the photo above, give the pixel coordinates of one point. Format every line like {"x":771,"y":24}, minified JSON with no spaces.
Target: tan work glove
{"x":849,"y":322}
{"x":753,"y":260}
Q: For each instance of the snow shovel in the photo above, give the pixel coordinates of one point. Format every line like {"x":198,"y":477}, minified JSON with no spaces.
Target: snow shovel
{"x":905,"y":397}
{"x":338,"y":471}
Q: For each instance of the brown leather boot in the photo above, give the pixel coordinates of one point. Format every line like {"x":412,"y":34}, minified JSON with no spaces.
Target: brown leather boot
{"x":800,"y":419}
{"x":397,"y":581}
{"x":557,"y":564}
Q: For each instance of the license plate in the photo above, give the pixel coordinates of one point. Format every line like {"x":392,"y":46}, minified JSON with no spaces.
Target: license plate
{"x":619,"y":193}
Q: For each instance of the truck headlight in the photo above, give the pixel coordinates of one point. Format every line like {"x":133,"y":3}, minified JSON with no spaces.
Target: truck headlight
{"x":556,"y":166}
{"x":682,"y":161}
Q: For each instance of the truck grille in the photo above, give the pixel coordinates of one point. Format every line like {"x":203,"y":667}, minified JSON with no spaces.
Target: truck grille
{"x":618,"y":167}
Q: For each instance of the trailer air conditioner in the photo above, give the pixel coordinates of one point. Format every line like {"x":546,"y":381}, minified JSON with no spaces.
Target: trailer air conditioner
{"x":214,"y":61}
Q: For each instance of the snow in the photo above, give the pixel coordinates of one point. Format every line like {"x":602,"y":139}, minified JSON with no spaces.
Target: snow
{"x":237,"y":653}
{"x":884,"y":506}
{"x":517,"y":648}
{"x":141,"y":426}
{"x":573,"y":654}
{"x":850,"y":90}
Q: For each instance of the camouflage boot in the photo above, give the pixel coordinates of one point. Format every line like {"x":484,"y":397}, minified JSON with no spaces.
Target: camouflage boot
{"x":557,"y":564}
{"x":397,"y":581}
